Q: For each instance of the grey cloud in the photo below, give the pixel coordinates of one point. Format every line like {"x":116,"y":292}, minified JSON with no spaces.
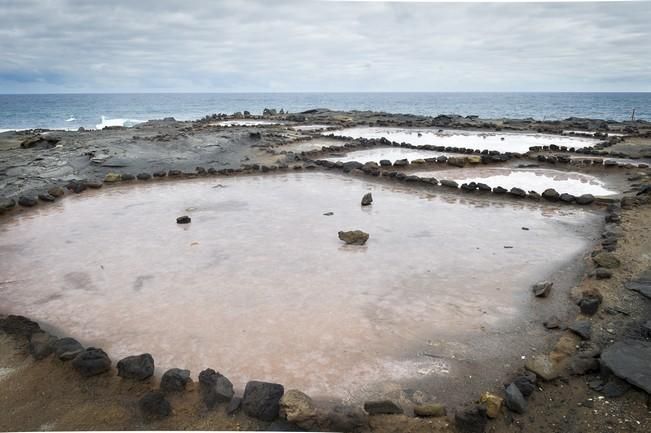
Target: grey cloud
{"x":75,"y":45}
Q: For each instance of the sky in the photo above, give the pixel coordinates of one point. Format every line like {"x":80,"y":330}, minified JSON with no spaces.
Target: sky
{"x":67,"y":46}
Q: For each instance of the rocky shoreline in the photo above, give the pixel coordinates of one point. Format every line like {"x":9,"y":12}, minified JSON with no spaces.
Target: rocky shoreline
{"x":607,"y":347}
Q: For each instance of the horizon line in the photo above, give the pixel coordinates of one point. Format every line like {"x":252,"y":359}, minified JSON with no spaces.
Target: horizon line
{"x":145,"y":92}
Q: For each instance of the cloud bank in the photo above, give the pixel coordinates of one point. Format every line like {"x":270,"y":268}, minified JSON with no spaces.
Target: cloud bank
{"x":287,"y":46}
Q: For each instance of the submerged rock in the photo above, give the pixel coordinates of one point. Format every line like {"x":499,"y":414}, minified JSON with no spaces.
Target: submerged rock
{"x":542,"y":288}
{"x":261,"y":400}
{"x":92,"y":362}
{"x":175,"y":380}
{"x":367,"y":199}
{"x":138,"y":367}
{"x":354,"y":237}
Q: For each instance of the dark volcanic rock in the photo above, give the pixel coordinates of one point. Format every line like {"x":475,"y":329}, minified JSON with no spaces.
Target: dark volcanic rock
{"x":552,"y":323}
{"x":500,"y":190}
{"x":449,"y":183}
{"x":514,"y":399}
{"x":517,"y":192}
{"x":174,"y":380}
{"x":234,"y":405}
{"x":630,"y":360}
{"x":353,"y":237}
{"x":19,"y":326}
{"x":351,"y":165}
{"x":472,"y":420}
{"x":27,"y":201}
{"x":567,"y":198}
{"x":551,"y":194}
{"x":641,"y":284}
{"x":525,"y":385}
{"x":367,"y":199}
{"x":155,"y":405}
{"x":138,"y":367}
{"x":46,"y":197}
{"x":41,"y":345}
{"x":215,"y":388}
{"x":183,"y":220}
{"x":67,"y":348}
{"x":582,"y":328}
{"x":92,"y":362}
{"x":143,"y":176}
{"x":382,"y":407}
{"x":127,"y":176}
{"x":262,"y":400}
{"x":580,"y":365}
{"x":589,"y":305}
{"x":585,"y":199}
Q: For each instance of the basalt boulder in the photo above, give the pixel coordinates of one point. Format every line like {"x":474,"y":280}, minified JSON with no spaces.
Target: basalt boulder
{"x":67,"y":348}
{"x":92,"y":362}
{"x":215,"y":388}
{"x":138,"y":367}
{"x":261,"y":400}
{"x":174,"y":380}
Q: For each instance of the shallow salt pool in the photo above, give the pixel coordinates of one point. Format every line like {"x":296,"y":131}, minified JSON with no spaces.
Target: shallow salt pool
{"x":502,"y":141}
{"x":393,"y":154}
{"x":258,"y":286}
{"x":536,"y":179}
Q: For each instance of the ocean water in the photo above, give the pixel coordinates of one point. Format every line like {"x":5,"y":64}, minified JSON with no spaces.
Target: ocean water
{"x":70,"y":111}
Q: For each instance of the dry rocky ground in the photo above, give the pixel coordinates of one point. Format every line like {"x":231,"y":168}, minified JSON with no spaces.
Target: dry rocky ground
{"x":573,"y":390}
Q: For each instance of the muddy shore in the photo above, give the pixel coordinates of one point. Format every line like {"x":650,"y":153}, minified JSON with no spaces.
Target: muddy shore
{"x":35,"y":163}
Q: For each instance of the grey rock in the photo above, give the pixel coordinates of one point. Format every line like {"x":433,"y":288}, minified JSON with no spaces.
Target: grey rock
{"x":585,"y":199}
{"x":382,"y":407}
{"x":602,"y":273}
{"x":567,"y":198}
{"x":41,"y":345}
{"x":615,"y":387}
{"x":589,"y":305}
{"x":174,"y":380}
{"x":500,"y":190}
{"x":552,"y":323}
{"x":354,"y":237}
{"x":261,"y":400}
{"x":551,"y":194}
{"x":67,"y":348}
{"x":582,"y":328}
{"x":514,"y":399}
{"x":92,"y":362}
{"x":641,"y":284}
{"x":517,"y":192}
{"x":542,"y":288}
{"x":630,"y":360}
{"x":143,"y":176}
{"x":26,"y":201}
{"x":19,"y":326}
{"x":449,"y":183}
{"x":367,"y":199}
{"x":138,"y":367}
{"x":215,"y":388}
{"x":525,"y":385}
{"x":234,"y":405}
{"x":580,"y":365}
{"x":155,"y":405}
{"x":46,"y":197}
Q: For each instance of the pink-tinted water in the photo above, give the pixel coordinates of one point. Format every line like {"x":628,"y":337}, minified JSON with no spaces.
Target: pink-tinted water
{"x":258,"y":286}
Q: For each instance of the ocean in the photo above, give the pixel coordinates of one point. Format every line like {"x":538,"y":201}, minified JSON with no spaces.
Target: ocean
{"x":71,"y":111}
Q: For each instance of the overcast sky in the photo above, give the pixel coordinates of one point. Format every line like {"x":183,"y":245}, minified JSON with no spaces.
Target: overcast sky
{"x":312,"y":45}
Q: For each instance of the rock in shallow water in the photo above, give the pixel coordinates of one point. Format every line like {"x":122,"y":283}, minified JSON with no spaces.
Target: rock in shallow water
{"x":353,"y":237}
{"x":138,"y":367}
{"x":19,"y":326}
{"x":183,"y":220}
{"x":367,"y":199}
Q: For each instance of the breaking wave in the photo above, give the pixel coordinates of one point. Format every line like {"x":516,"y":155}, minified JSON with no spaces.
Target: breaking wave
{"x":117,"y":122}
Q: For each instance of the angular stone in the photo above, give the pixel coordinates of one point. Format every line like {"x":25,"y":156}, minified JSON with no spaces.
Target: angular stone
{"x":589,"y":305}
{"x":367,"y":199}
{"x":542,"y":289}
{"x":138,"y":367}
{"x":382,"y":407}
{"x":493,"y":404}
{"x":92,"y":362}
{"x":261,"y":400}
{"x":543,"y":366}
{"x":582,"y":328}
{"x":174,"y":380}
{"x":630,"y":360}
{"x":215,"y":388}
{"x":298,"y":408}
{"x":514,"y":399}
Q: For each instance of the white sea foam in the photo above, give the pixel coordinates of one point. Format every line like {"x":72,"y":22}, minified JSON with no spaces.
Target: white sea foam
{"x":117,"y":122}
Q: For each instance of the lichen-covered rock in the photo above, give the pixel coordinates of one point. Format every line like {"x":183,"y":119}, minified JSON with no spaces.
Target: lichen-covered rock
{"x":493,"y":404}
{"x":353,"y":237}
